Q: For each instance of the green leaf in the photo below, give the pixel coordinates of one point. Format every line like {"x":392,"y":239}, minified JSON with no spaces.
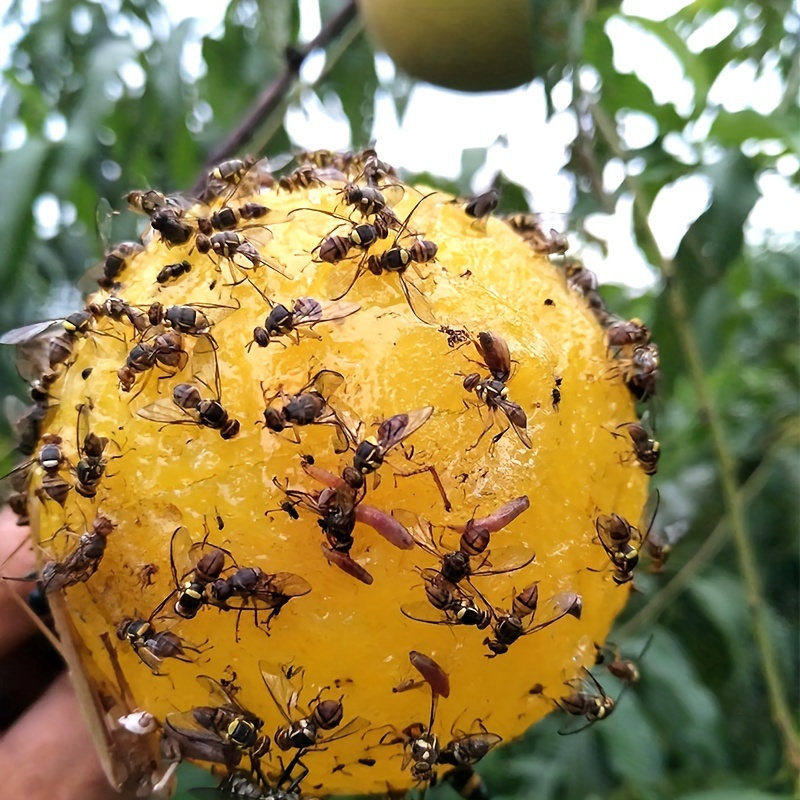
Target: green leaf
{"x":21,"y":169}
{"x":692,"y":63}
{"x":731,"y":128}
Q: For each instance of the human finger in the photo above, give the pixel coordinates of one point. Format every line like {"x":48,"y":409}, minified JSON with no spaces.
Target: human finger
{"x":17,"y":560}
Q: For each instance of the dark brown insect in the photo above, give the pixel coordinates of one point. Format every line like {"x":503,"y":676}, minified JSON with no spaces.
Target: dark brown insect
{"x":200,"y":565}
{"x":252,"y":588}
{"x":622,"y":543}
{"x":645,"y":449}
{"x":310,"y":406}
{"x":228,"y":218}
{"x":91,"y":465}
{"x":187,"y":405}
{"x":367,"y":200}
{"x":524,"y":619}
{"x":370,"y":453}
{"x":555,"y":394}
{"x":80,"y":564}
{"x":481,"y":206}
{"x":641,"y":372}
{"x":625,"y":669}
{"x":116,"y":260}
{"x":466,"y":750}
{"x":240,"y":785}
{"x":171,"y":272}
{"x":397,"y":259}
{"x":165,"y":350}
{"x":152,"y":646}
{"x":493,"y":392}
{"x":467,"y":783}
{"x":588,"y":701}
{"x":50,"y":459}
{"x":623,"y":332}
{"x":334,"y":248}
{"x":306,"y":312}
{"x":229,"y":244}
{"x":447,"y":604}
{"x":530,"y":229}
{"x":320,"y":724}
{"x":222,"y":727}
{"x":456,"y":565}
{"x":303,"y":177}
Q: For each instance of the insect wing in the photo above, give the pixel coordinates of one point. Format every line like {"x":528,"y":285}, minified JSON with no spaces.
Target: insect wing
{"x":394,"y":430}
{"x":279,"y":687}
{"x":308,"y":311}
{"x":420,"y":529}
{"x":555,"y":608}
{"x":517,"y":418}
{"x":202,"y":743}
{"x":424,"y":612}
{"x":326,"y":382}
{"x":417,"y":301}
{"x":205,"y":365}
{"x":288,"y":584}
{"x":506,"y":559}
{"x":168,"y":411}
{"x":182,"y":552}
{"x":354,"y":726}
{"x":28,"y":332}
{"x":149,"y":658}
{"x":221,"y":696}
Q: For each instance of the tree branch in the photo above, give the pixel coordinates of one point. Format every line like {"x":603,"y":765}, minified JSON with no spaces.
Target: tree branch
{"x":272,"y":98}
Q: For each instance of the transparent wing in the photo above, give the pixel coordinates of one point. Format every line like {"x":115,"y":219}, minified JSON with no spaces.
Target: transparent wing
{"x":219,"y":695}
{"x":308,"y":311}
{"x":326,"y":382}
{"x":167,"y":410}
{"x":394,"y":430}
{"x":505,"y":559}
{"x":420,"y":529}
{"x":517,"y":418}
{"x":279,"y":687}
{"x":423,"y":611}
{"x":417,"y":301}
{"x":205,"y":366}
{"x":28,"y":332}
{"x":354,"y":726}
{"x":555,"y":608}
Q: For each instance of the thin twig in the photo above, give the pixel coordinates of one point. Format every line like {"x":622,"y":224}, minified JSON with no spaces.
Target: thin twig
{"x":272,"y":98}
{"x":726,"y":466}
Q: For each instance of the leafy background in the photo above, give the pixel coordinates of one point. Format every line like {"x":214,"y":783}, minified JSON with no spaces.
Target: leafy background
{"x":97,"y":98}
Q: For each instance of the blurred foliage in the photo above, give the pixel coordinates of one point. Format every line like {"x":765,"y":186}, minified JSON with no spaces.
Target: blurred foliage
{"x":100,"y":97}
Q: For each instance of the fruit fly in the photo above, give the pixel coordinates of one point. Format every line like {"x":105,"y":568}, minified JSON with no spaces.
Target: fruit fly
{"x":320,"y":724}
{"x":589,"y":701}
{"x":523,"y":619}
{"x":223,"y":726}
{"x":306,"y":312}
{"x":229,"y":244}
{"x":530,"y":229}
{"x":641,"y":372}
{"x":91,"y":465}
{"x":397,"y":259}
{"x":623,"y":332}
{"x":116,"y":260}
{"x":646,"y":450}
{"x":80,"y":564}
{"x":152,"y":646}
{"x":456,"y":565}
{"x":304,"y":177}
{"x":447,"y":604}
{"x":165,"y":350}
{"x":625,"y":669}
{"x":171,"y":272}
{"x":200,"y":565}
{"x":196,"y":319}
{"x":252,"y":588}
{"x":622,"y":543}
{"x":187,"y":405}
{"x":371,"y":452}
{"x":334,"y":248}
{"x":310,"y":406}
{"x":50,"y":458}
{"x":421,"y":744}
{"x":467,"y":749}
{"x":493,"y":392}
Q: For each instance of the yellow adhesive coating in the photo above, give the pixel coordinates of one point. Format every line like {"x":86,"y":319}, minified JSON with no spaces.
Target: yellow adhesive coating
{"x":351,"y":639}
